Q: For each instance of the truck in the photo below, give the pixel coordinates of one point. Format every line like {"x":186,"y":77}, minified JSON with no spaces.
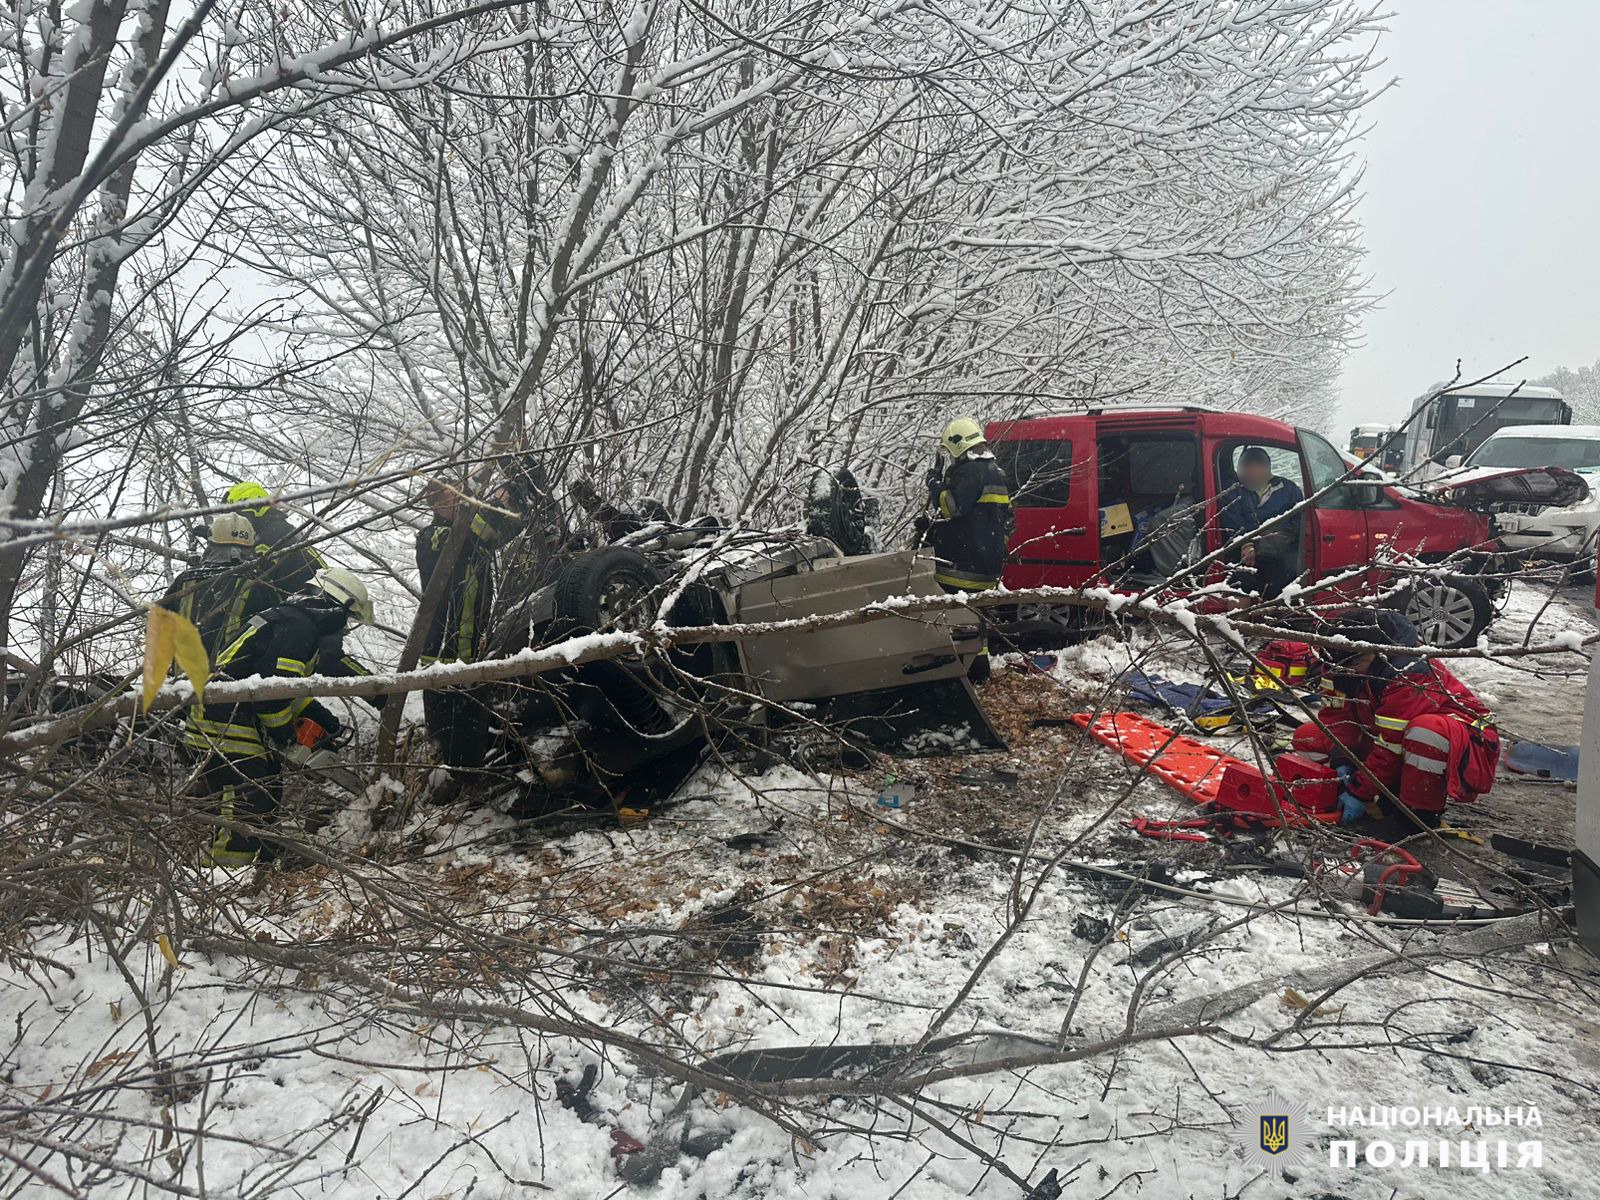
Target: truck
{"x":1380,"y":445}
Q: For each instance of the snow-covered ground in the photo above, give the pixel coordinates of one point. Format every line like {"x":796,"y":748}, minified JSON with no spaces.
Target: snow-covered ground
{"x":779,"y":909}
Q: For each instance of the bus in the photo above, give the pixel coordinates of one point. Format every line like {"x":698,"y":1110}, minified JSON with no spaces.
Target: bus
{"x":1446,"y":427}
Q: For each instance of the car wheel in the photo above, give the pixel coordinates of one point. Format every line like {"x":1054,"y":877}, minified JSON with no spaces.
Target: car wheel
{"x":700,"y":605}
{"x":1449,"y":611}
{"x":1048,"y":626}
{"x":1582,"y":569}
{"x":622,"y":702}
{"x":837,"y":511}
{"x":611,"y":588}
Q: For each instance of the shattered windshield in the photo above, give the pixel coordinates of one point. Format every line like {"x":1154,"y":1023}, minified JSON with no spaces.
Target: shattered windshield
{"x":1578,"y":454}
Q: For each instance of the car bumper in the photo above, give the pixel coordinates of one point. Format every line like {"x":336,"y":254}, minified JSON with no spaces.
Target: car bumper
{"x":1546,"y":537}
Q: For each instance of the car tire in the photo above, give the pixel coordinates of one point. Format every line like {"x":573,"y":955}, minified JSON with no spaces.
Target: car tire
{"x":837,"y":511}
{"x":1449,"y":611}
{"x":622,"y":701}
{"x":603,"y":588}
{"x":1583,"y":564}
{"x":699,"y":605}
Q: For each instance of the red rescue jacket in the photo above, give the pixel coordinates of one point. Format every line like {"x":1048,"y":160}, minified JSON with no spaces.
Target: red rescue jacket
{"x":1426,"y":688}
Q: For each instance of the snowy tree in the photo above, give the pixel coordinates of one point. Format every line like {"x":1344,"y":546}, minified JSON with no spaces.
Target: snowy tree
{"x":692,"y":251}
{"x":120,"y":315}
{"x":1581,"y":387}
{"x":758,"y":239}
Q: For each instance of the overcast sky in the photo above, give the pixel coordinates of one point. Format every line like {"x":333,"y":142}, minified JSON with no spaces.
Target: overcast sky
{"x":1482,"y":206}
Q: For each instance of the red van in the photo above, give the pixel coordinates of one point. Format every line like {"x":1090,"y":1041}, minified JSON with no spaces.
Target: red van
{"x":1125,"y":497}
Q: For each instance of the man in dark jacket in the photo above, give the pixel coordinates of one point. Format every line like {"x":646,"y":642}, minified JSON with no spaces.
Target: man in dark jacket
{"x":1269,"y":552}
{"x":458,"y":719}
{"x":220,"y":593}
{"x":243,"y":743}
{"x":286,"y":563}
{"x":974,"y":519}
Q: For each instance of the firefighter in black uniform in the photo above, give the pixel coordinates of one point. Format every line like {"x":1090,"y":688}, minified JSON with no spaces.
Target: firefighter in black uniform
{"x":285,"y":564}
{"x":243,"y":742}
{"x":458,"y":719}
{"x":973,"y":518}
{"x":221,"y":592}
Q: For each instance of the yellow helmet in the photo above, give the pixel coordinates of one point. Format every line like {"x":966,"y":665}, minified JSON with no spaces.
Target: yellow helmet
{"x":232,"y":529}
{"x":344,"y":589}
{"x":961,"y":435}
{"x":249,"y":489}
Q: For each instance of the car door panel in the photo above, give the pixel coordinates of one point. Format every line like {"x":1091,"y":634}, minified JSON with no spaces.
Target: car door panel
{"x":1341,"y":550}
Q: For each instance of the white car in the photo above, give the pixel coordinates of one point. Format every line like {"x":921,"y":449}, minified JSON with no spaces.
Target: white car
{"x":1562,"y":533}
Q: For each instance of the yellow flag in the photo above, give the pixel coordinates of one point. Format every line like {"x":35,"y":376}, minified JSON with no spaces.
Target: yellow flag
{"x":169,"y":635}
{"x":164,"y":944}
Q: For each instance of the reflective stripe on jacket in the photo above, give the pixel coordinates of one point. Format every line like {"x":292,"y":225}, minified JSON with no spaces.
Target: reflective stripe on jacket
{"x":1426,"y":689}
{"x":218,"y":598}
{"x":296,"y":640}
{"x":463,"y":612}
{"x":975,"y":520}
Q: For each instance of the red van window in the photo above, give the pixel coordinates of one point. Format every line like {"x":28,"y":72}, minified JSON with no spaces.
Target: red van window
{"x":1149,"y":469}
{"x":1327,"y":465}
{"x":1152,"y":477}
{"x":1038,"y":473}
{"x":1285,"y":462}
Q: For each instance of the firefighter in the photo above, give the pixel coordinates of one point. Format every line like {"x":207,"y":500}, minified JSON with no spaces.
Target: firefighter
{"x":244,"y":743}
{"x":1400,"y":726}
{"x":220,"y":593}
{"x":286,"y":565}
{"x":458,"y":719}
{"x":1269,"y":556}
{"x":973,"y":518}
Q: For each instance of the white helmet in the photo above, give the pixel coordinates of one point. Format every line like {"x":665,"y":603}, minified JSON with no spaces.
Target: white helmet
{"x":344,"y":589}
{"x":961,"y":435}
{"x":232,"y":529}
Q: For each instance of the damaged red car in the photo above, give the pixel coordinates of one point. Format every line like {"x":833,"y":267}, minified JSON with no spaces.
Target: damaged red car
{"x":1126,"y":498}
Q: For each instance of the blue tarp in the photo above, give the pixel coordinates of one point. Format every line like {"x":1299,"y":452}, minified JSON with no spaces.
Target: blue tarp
{"x":1191,"y":699}
{"x":1547,"y":762}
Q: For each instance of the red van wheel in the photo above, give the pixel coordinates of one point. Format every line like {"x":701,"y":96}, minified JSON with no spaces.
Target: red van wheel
{"x":1450,"y":611}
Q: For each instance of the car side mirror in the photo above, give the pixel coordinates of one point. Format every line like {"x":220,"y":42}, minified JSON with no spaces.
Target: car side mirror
{"x":1453,"y":461}
{"x":1366,"y":493}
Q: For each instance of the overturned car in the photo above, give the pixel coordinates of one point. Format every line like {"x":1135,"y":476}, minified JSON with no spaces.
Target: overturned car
{"x":894,"y":683}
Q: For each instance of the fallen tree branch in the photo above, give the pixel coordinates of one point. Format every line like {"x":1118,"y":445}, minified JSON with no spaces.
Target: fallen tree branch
{"x":598,"y":647}
{"x":1197,"y":1016}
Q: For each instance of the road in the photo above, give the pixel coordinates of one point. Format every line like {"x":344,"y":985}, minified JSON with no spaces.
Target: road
{"x":1533,"y":701}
